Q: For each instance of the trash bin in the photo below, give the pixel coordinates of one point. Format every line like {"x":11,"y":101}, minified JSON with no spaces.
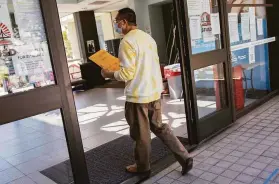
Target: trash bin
{"x":173,"y":75}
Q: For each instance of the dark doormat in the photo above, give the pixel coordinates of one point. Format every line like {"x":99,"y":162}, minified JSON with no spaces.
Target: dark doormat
{"x":106,"y":163}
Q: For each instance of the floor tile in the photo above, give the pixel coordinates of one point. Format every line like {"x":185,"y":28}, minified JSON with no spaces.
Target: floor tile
{"x":222,"y":180}
{"x":40,"y":179}
{"x":250,"y":156}
{"x":4,"y":165}
{"x":225,"y":151}
{"x":271,"y":168}
{"x":9,"y":175}
{"x":252,"y":171}
{"x":177,"y":182}
{"x":208,"y":176}
{"x":244,"y":162}
{"x":216,"y":170}
{"x":264,"y":175}
{"x":211,"y":161}
{"x":224,"y":164}
{"x":174,"y":174}
{"x":231,"y":159}
{"x":200,"y":181}
{"x":270,"y":154}
{"x":37,"y":164}
{"x":258,"y":181}
{"x":258,"y":165}
{"x":264,"y":159}
{"x":23,"y":180}
{"x":245,"y":178}
{"x":196,"y":172}
{"x":165,"y":180}
{"x":25,"y":156}
{"x":219,"y":156}
{"x":187,"y":178}
{"x":203,"y":166}
{"x":236,"y":182}
{"x":230,"y":174}
{"x":256,"y":151}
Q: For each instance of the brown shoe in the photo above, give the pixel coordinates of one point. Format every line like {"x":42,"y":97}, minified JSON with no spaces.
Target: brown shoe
{"x":187,"y":166}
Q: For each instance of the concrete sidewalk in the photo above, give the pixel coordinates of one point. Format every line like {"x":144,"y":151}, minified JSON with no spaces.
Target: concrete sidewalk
{"x":248,"y":152}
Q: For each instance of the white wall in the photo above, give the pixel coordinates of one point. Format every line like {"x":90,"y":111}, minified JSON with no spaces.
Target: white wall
{"x":142,"y":12}
{"x":158,"y":30}
{"x":150,"y":20}
{"x":72,"y":34}
{"x":106,"y":25}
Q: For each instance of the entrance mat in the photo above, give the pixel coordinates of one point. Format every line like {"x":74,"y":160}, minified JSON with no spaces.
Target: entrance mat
{"x":106,"y":163}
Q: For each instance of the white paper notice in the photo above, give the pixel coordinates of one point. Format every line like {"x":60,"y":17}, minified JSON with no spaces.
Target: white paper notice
{"x":233,"y":27}
{"x":252,"y":58}
{"x":245,"y":26}
{"x":252,"y":14}
{"x":195,"y":27}
{"x":215,"y":23}
{"x":260,"y":26}
{"x":253,"y":28}
{"x":206,"y":6}
{"x":194,"y":7}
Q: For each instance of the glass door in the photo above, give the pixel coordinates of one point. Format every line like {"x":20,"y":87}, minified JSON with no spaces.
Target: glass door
{"x":204,"y":52}
{"x":38,"y":125}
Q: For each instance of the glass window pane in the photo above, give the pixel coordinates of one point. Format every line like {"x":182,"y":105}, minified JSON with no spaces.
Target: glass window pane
{"x":204,"y":22}
{"x":32,"y":150}
{"x":24,"y":55}
{"x":210,"y":89}
{"x":249,"y":49}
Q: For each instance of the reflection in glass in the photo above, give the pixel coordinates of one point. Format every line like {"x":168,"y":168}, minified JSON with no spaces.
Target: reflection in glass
{"x":249,"y":50}
{"x":30,"y":147}
{"x":24,"y":56}
{"x":204,"y":23}
{"x":210,"y":89}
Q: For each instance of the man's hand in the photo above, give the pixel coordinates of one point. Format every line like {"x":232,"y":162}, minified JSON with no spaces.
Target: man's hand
{"x":107,"y":74}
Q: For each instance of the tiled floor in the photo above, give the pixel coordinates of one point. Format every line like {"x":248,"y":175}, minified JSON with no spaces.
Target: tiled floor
{"x":34,"y":144}
{"x":248,"y":152}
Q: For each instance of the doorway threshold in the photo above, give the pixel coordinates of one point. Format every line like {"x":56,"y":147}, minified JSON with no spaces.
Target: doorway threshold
{"x":106,"y":163}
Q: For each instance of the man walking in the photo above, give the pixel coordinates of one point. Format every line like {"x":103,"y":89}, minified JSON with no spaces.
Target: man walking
{"x":140,"y":70}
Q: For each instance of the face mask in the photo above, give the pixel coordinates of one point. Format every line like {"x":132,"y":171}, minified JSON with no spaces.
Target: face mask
{"x":117,"y":29}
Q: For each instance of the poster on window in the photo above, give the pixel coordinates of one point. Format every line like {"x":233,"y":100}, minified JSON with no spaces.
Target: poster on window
{"x":245,"y":26}
{"x":207,"y":34}
{"x":31,"y":60}
{"x":5,"y":24}
{"x":194,"y":7}
{"x":195,"y":27}
{"x":29,"y":20}
{"x":206,"y":27}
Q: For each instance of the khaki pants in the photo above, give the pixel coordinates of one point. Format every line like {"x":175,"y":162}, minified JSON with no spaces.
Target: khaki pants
{"x":145,"y":117}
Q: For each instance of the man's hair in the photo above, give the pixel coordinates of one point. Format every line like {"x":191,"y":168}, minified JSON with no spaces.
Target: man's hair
{"x":129,"y":15}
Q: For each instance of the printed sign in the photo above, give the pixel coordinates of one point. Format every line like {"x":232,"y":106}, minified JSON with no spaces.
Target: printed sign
{"x":206,"y":28}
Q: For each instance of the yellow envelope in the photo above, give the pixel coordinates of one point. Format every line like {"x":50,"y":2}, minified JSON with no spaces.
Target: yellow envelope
{"x":106,"y":61}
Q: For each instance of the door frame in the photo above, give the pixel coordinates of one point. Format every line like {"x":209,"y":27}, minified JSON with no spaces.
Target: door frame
{"x":189,"y":64}
{"x":59,"y":96}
